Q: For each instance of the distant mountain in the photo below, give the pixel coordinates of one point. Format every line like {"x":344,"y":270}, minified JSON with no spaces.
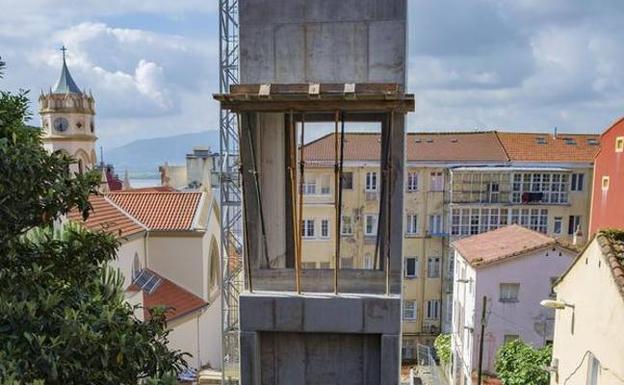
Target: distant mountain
{"x":142,"y":157}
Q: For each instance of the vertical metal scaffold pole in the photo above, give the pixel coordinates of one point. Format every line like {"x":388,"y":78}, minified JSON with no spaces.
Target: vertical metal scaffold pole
{"x":300,"y":208}
{"x":230,"y":194}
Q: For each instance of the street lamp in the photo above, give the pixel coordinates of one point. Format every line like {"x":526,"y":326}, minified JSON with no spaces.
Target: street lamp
{"x":554,"y":304}
{"x":559,"y":305}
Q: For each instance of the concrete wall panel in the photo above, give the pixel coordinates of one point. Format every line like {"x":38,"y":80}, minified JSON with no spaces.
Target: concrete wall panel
{"x":298,"y":41}
{"x":387,"y":61}
{"x":337,"y":52}
{"x":290,"y":53}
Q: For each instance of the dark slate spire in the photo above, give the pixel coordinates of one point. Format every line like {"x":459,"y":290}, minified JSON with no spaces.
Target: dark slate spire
{"x":66,"y":84}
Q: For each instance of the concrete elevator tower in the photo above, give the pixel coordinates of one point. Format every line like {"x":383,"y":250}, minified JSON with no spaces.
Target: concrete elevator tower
{"x":302,"y":62}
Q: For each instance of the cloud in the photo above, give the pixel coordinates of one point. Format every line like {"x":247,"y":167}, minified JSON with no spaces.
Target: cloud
{"x":519,"y":65}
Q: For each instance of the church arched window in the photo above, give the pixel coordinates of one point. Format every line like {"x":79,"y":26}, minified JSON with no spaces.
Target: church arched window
{"x":136,"y":266}
{"x":214,"y":265}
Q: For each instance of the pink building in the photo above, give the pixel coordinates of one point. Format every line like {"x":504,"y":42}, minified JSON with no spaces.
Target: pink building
{"x":514,"y":268}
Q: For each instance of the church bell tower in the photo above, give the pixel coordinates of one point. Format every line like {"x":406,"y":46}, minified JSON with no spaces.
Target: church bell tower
{"x":67,"y":120}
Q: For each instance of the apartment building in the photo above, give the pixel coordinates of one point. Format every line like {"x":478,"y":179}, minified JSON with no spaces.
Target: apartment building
{"x":457,"y":184}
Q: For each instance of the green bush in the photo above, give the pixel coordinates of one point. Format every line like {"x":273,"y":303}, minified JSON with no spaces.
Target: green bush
{"x":63,"y":317}
{"x":518,"y":363}
{"x":442,"y":345}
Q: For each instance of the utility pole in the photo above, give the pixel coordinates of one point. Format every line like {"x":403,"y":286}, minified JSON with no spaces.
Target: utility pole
{"x":481,"y":338}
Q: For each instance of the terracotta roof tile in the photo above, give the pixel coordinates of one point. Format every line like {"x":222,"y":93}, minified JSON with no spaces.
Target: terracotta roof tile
{"x":491,"y":146}
{"x":179,"y":300}
{"x":105,"y":216}
{"x":563,"y":148}
{"x":499,"y":244}
{"x":612,"y":245}
{"x":466,"y":146}
{"x":160,"y":210}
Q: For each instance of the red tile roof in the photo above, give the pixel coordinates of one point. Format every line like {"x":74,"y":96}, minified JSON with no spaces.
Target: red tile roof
{"x":463,"y":146}
{"x":105,"y":216}
{"x":152,"y":189}
{"x":564,"y":148}
{"x":160,"y":210}
{"x":179,"y":300}
{"x":499,"y":244}
{"x":490,"y":146}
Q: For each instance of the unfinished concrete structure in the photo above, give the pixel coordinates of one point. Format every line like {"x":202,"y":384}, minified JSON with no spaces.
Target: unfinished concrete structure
{"x":318,"y":61}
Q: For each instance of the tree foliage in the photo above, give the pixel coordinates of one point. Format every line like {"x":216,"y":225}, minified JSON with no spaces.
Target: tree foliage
{"x":442,"y":345}
{"x":63,"y":318}
{"x":518,"y":363}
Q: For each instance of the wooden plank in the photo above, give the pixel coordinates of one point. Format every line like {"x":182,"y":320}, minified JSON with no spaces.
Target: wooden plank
{"x":324,"y":88}
{"x":319,"y":105}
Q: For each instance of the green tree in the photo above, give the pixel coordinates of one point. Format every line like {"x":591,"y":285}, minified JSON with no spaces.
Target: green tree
{"x":63,"y":318}
{"x":442,"y":345}
{"x":518,"y":363}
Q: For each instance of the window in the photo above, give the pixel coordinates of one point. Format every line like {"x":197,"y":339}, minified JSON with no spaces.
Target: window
{"x":435,"y":224}
{"x":325,"y":184}
{"x":557,"y":227}
{"x":309,"y":186}
{"x":411,"y":267}
{"x":371,"y":181}
{"x":468,"y":221}
{"x":605,"y":183}
{"x":437,"y":181}
{"x":346,"y":263}
{"x":619,"y":144}
{"x":574,"y":222}
{"x":367,"y":262}
{"x":433,"y":267}
{"x":433,"y":309}
{"x":534,"y":219}
{"x":409,"y":310}
{"x":509,"y":292}
{"x":308,"y":265}
{"x":412,"y":181}
{"x":346,"y":225}
{"x":308,"y":228}
{"x":325,"y":228}
{"x":370,"y":224}
{"x":593,"y":370}
{"x":412,"y":224}
{"x":540,"y":188}
{"x":577,"y":182}
{"x":510,"y":337}
{"x":325,"y":265}
{"x":347,"y":181}
{"x":136,"y":266}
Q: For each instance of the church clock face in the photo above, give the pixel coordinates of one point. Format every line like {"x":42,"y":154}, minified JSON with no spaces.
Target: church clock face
{"x":61,"y":124}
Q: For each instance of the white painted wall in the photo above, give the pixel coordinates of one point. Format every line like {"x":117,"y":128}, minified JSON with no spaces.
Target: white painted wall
{"x":598,"y":321}
{"x":182,"y":259}
{"x":125,"y":257}
{"x":462,"y":340}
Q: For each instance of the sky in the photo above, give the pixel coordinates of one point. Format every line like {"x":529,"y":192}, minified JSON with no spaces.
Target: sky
{"x":152,"y":66}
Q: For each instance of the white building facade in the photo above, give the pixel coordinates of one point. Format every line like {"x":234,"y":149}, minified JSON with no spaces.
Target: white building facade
{"x":514,"y":268}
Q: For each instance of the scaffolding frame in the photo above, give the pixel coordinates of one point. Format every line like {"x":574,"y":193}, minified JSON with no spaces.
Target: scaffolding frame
{"x":232,"y":278}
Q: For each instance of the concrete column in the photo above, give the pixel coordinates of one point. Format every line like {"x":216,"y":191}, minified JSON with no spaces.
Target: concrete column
{"x":250,"y":358}
{"x":391,"y":358}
